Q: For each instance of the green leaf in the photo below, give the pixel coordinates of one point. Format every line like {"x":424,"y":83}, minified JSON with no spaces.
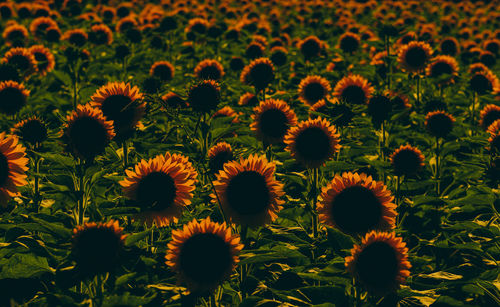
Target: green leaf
{"x":25,"y":266}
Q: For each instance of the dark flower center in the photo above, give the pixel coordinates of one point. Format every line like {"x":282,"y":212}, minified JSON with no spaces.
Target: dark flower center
{"x":377,"y":265}
{"x":11,"y":100}
{"x":356,"y":210}
{"x":354,"y":94}
{"x":261,"y":75}
{"x":310,"y":48}
{"x":406,"y":162}
{"x":41,"y":60}
{"x":96,"y":250}
{"x":441,"y":68}
{"x":174,"y":101}
{"x":349,"y":44}
{"x":449,"y":47}
{"x":120,"y":109}
{"x":99,"y":37}
{"x":247,"y":193}
{"x":21,"y":62}
{"x":217,"y":162}
{"x":33,"y":131}
{"x":156,"y":191}
{"x":204,"y":97}
{"x":205,"y":258}
{"x":163,"y":72}
{"x":379,"y":108}
{"x":4,"y":169}
{"x":77,"y":39}
{"x":88,"y":137}
{"x":341,"y":115}
{"x":273,"y":123}
{"x":253,"y":51}
{"x":416,"y":58}
{"x":313,"y":144}
{"x":8,"y":72}
{"x":490,"y":117}
{"x":314,"y":91}
{"x":480,"y":84}
{"x":210,"y":72}
{"x":16,"y":35}
{"x":439,"y":125}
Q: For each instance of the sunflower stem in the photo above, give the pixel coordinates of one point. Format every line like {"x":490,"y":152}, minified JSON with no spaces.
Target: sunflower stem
{"x":389,"y":66}
{"x":473,"y":111}
{"x":398,"y":186}
{"x":314,"y":188}
{"x":81,"y":190}
{"x":125,"y":154}
{"x":418,"y":89}
{"x":244,"y":268}
{"x":438,"y":176}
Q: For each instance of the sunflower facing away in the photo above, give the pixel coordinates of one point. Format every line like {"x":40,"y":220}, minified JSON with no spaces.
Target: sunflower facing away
{"x":161,"y":187}
{"x":312,"y":89}
{"x":355,"y":204}
{"x":203,"y":254}
{"x":248,"y":192}
{"x":353,"y":89}
{"x":12,"y":167}
{"x":313,"y":142}
{"x":97,"y":247}
{"x":413,"y":57}
{"x":13,"y":97}
{"x":407,"y":160}
{"x":380,"y":262}
{"x":272,"y":119}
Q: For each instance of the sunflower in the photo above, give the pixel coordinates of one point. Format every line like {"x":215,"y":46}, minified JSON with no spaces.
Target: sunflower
{"x":183,"y":160}
{"x":15,"y":35}
{"x":254,"y":50}
{"x":248,"y":99}
{"x":279,"y":55}
{"x":488,"y":115}
{"x":349,"y":42}
{"x":12,"y":167}
{"x":13,"y":97}
{"x":39,"y":26}
{"x":22,"y":60}
{"x":492,"y":45}
{"x":443,"y":65}
{"x":353,"y":89}
{"x":398,"y":100}
{"x":125,"y":24}
{"x":248,"y":192}
{"x":311,"y":47}
{"x":380,"y":263}
{"x":87,"y":132}
{"x":162,"y":70}
{"x":209,"y":69}
{"x":161,"y":187}
{"x":218,"y":155}
{"x":76,"y":37}
{"x":101,"y":34}
{"x":108,"y":13}
{"x":483,"y":82}
{"x":439,"y":123}
{"x":97,"y":247}
{"x":53,"y":34}
{"x":449,"y":46}
{"x":24,"y":10}
{"x":259,"y":73}
{"x":236,"y":63}
{"x":312,"y":142}
{"x":121,"y":103}
{"x":45,"y":60}
{"x":494,"y":139}
{"x":312,"y":89}
{"x":173,"y":100}
{"x":272,"y":119}
{"x":227,"y":111}
{"x":204,"y":96}
{"x":407,"y":160}
{"x":8,"y":73}
{"x":413,"y":57}
{"x":379,"y":107}
{"x":197,"y":25}
{"x":32,"y":130}
{"x":355,"y":204}
{"x":487,"y":58}
{"x":203,"y":254}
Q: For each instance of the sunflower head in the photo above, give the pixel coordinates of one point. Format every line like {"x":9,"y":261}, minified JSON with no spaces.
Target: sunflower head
{"x":355,"y":204}
{"x":353,"y":89}
{"x":488,"y":115}
{"x":313,"y":89}
{"x":254,"y":50}
{"x":218,"y":155}
{"x":492,"y":45}
{"x":248,"y":99}
{"x":444,"y":68}
{"x":279,"y":55}
{"x":313,"y":142}
{"x":161,"y":187}
{"x":203,"y":254}
{"x":379,"y":107}
{"x":259,"y":73}
{"x":32,"y":130}
{"x":8,"y":73}
{"x":121,"y":103}
{"x":407,"y":160}
{"x":13,"y":97}
{"x":15,"y":35}
{"x":439,"y":123}
{"x":494,"y":139}
{"x":349,"y":42}
{"x":399,"y":101}
{"x":13,"y":165}
{"x":45,"y":60}
{"x":311,"y":47}
{"x":100,"y":34}
{"x":483,"y":82}
{"x":173,"y":100}
{"x":380,"y":262}
{"x":53,"y":34}
{"x":449,"y":46}
{"x":248,"y":192}
{"x":272,"y":119}
{"x":39,"y":26}
{"x":97,"y":247}
{"x":227,"y":111}
{"x":204,"y":96}
{"x":209,"y":69}
{"x":76,"y":37}
{"x":236,"y":63}
{"x":413,"y":57}
{"x":162,"y":70}
{"x":22,"y":60}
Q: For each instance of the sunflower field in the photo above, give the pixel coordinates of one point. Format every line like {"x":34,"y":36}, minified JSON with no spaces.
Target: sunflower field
{"x":249,"y":153}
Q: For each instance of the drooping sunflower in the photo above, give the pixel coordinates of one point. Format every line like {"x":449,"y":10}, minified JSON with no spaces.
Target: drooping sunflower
{"x":209,"y":69}
{"x":87,"y":132}
{"x":483,"y":82}
{"x":227,"y":111}
{"x":248,"y":99}
{"x":22,"y":60}
{"x":248,"y":192}
{"x":97,"y":247}
{"x":218,"y":155}
{"x":380,"y":263}
{"x":12,"y":167}
{"x":101,"y":34}
{"x":77,"y":37}
{"x":259,"y":73}
{"x":439,"y":123}
{"x":312,"y":142}
{"x":407,"y":160}
{"x":163,"y":70}
{"x":205,"y":96}
{"x":32,"y":130}
{"x":349,"y":42}
{"x":355,"y":204}
{"x":15,"y":35}
{"x":203,"y":254}
{"x":45,"y":60}
{"x":353,"y":89}
{"x":121,"y":103}
{"x":13,"y":97}
{"x":312,"y":89}
{"x":272,"y":119}
{"x":161,"y":187}
{"x":488,"y":115}
{"x":443,"y":65}
{"x":413,"y":57}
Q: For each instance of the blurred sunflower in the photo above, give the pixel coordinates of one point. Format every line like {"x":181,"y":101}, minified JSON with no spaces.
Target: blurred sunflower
{"x":355,"y":204}
{"x":204,"y":96}
{"x":173,"y":100}
{"x":272,"y":119}
{"x":218,"y":155}
{"x":76,"y":37}
{"x":100,"y":34}
{"x":13,"y":163}
{"x":380,"y":262}
{"x":22,"y":60}
{"x":349,"y":42}
{"x":443,"y":65}
{"x":161,"y":187}
{"x":312,"y":142}
{"x":413,"y":57}
{"x":32,"y":130}
{"x":279,"y":55}
{"x":407,"y":160}
{"x":13,"y":97}
{"x":353,"y":89}
{"x":248,"y":192}
{"x":15,"y":35}
{"x":209,"y":69}
{"x":439,"y":123}
{"x":227,"y":111}
{"x":449,"y":46}
{"x":483,"y":82}
{"x":311,"y":47}
{"x":312,"y":89}
{"x":45,"y":60}
{"x":8,"y":73}
{"x":259,"y":73}
{"x":39,"y":26}
{"x":494,"y":139}
{"x":162,"y":70}
{"x":248,"y":99}
{"x":203,"y":254}
{"x":488,"y":115}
